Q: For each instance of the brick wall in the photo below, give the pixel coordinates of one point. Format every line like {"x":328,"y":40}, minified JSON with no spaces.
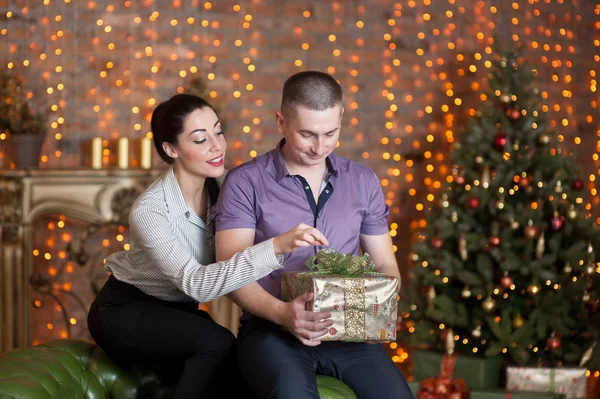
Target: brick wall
{"x":94,"y":60}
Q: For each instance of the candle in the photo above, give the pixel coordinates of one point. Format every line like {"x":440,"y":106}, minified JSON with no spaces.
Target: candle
{"x":123,"y":153}
{"x":146,"y":153}
{"x":97,"y":153}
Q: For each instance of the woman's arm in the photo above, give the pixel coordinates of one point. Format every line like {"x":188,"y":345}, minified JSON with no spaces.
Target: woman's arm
{"x":151,"y":232}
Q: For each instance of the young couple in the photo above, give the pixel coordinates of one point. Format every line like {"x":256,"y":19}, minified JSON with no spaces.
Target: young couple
{"x":269,"y":215}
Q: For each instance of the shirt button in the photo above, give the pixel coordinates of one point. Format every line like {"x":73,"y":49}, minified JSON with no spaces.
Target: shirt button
{"x":307,"y":187}
{"x":327,"y":191}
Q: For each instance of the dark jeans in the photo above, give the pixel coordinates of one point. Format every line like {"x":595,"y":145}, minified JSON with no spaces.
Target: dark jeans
{"x":276,"y":365}
{"x":175,"y":339}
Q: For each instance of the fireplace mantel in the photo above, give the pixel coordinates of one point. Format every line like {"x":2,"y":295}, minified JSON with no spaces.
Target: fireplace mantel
{"x":89,"y":195}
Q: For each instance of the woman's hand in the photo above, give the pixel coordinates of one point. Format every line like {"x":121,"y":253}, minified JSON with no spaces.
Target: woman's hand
{"x":300,"y":236}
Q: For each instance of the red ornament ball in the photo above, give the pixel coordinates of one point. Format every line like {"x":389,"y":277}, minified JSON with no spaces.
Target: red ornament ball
{"x":506,"y":282}
{"x":460,"y":180}
{"x":444,"y":334}
{"x":531,"y":231}
{"x":494,"y":241}
{"x":523,"y":182}
{"x":473,"y":202}
{"x":553,"y":343}
{"x":500,"y":141}
{"x":578,"y":184}
{"x":515,"y":114}
{"x":436,"y":243}
{"x":557,"y":223}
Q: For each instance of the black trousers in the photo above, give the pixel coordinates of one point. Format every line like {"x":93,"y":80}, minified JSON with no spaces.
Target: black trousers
{"x":176,"y":339}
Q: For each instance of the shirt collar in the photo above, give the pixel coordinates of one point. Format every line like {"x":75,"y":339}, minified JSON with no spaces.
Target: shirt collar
{"x":173,"y":195}
{"x":281,"y":170}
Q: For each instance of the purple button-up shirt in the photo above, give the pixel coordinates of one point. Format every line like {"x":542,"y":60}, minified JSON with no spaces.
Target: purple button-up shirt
{"x":262,"y":195}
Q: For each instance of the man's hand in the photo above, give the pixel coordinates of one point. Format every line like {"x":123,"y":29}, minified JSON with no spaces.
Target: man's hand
{"x":300,"y":236}
{"x":305,"y":325}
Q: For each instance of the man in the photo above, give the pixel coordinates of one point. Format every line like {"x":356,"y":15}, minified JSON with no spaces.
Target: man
{"x":301,"y":181}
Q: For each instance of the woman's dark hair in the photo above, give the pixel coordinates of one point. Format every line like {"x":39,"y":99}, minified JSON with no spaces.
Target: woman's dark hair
{"x":167,"y":123}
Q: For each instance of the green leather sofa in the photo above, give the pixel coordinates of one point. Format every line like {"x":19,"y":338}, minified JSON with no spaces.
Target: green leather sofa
{"x":72,"y":369}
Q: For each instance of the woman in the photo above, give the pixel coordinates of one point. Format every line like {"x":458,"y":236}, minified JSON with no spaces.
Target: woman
{"x":147,"y":312}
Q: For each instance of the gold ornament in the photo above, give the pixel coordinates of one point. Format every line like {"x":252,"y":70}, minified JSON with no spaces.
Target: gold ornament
{"x":503,"y":62}
{"x":585,"y":297}
{"x":589,"y":269}
{"x":543,"y":139}
{"x":516,"y":145}
{"x":514,"y":224}
{"x":479,"y":160}
{"x":558,"y":188}
{"x":476,"y":333}
{"x":587,"y":355}
{"x":540,"y":247}
{"x":462,"y":248}
{"x":485,"y":177}
{"x":572,"y":213}
{"x":567,"y":269}
{"x":430,"y":297}
{"x":450,"y":344}
{"x":534,"y":289}
{"x":500,"y":203}
{"x":466,"y":292}
{"x":505,"y":98}
{"x":489,"y":304}
{"x":454,"y":217}
{"x":518,"y":321}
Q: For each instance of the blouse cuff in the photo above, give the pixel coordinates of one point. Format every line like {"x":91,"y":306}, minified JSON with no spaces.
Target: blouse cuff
{"x":263,"y":256}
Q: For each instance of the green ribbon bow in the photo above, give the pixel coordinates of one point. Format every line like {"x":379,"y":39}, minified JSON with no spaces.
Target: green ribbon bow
{"x":329,"y":261}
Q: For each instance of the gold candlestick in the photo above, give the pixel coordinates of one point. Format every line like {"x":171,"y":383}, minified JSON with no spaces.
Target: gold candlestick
{"x":97,"y":153}
{"x":146,"y":153}
{"x":123,"y":153}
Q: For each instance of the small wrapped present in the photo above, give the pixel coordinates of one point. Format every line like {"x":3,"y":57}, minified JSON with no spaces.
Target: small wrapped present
{"x":363,"y":303}
{"x":481,"y":374}
{"x":572,"y":382}
{"x":444,"y":387}
{"x":499,"y":393}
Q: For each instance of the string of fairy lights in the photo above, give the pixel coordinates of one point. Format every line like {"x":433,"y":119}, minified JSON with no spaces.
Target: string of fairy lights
{"x":410,"y":77}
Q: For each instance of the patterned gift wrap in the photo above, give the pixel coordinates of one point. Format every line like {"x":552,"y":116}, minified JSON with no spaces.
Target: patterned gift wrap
{"x":363,"y":304}
{"x":572,"y":382}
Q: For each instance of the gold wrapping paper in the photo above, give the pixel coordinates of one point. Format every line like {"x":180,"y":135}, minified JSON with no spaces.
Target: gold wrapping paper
{"x":363,"y":308}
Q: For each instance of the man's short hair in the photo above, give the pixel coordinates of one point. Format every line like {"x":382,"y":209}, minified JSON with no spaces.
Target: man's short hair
{"x":314,"y":90}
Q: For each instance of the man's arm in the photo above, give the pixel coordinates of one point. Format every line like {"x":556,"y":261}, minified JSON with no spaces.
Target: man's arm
{"x":305,"y":325}
{"x":380,"y":249}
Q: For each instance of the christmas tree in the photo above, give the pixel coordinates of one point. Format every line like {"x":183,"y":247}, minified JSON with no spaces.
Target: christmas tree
{"x":507,"y":259}
{"x":17,"y":114}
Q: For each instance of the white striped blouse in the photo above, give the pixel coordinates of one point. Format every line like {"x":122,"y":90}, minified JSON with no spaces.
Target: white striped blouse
{"x":172,"y":250}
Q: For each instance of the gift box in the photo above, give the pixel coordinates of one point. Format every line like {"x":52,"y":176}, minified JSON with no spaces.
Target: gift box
{"x":593,"y":385}
{"x":572,"y":382}
{"x":363,"y":303}
{"x":479,"y":373}
{"x":499,"y":394}
{"x":444,"y":386}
